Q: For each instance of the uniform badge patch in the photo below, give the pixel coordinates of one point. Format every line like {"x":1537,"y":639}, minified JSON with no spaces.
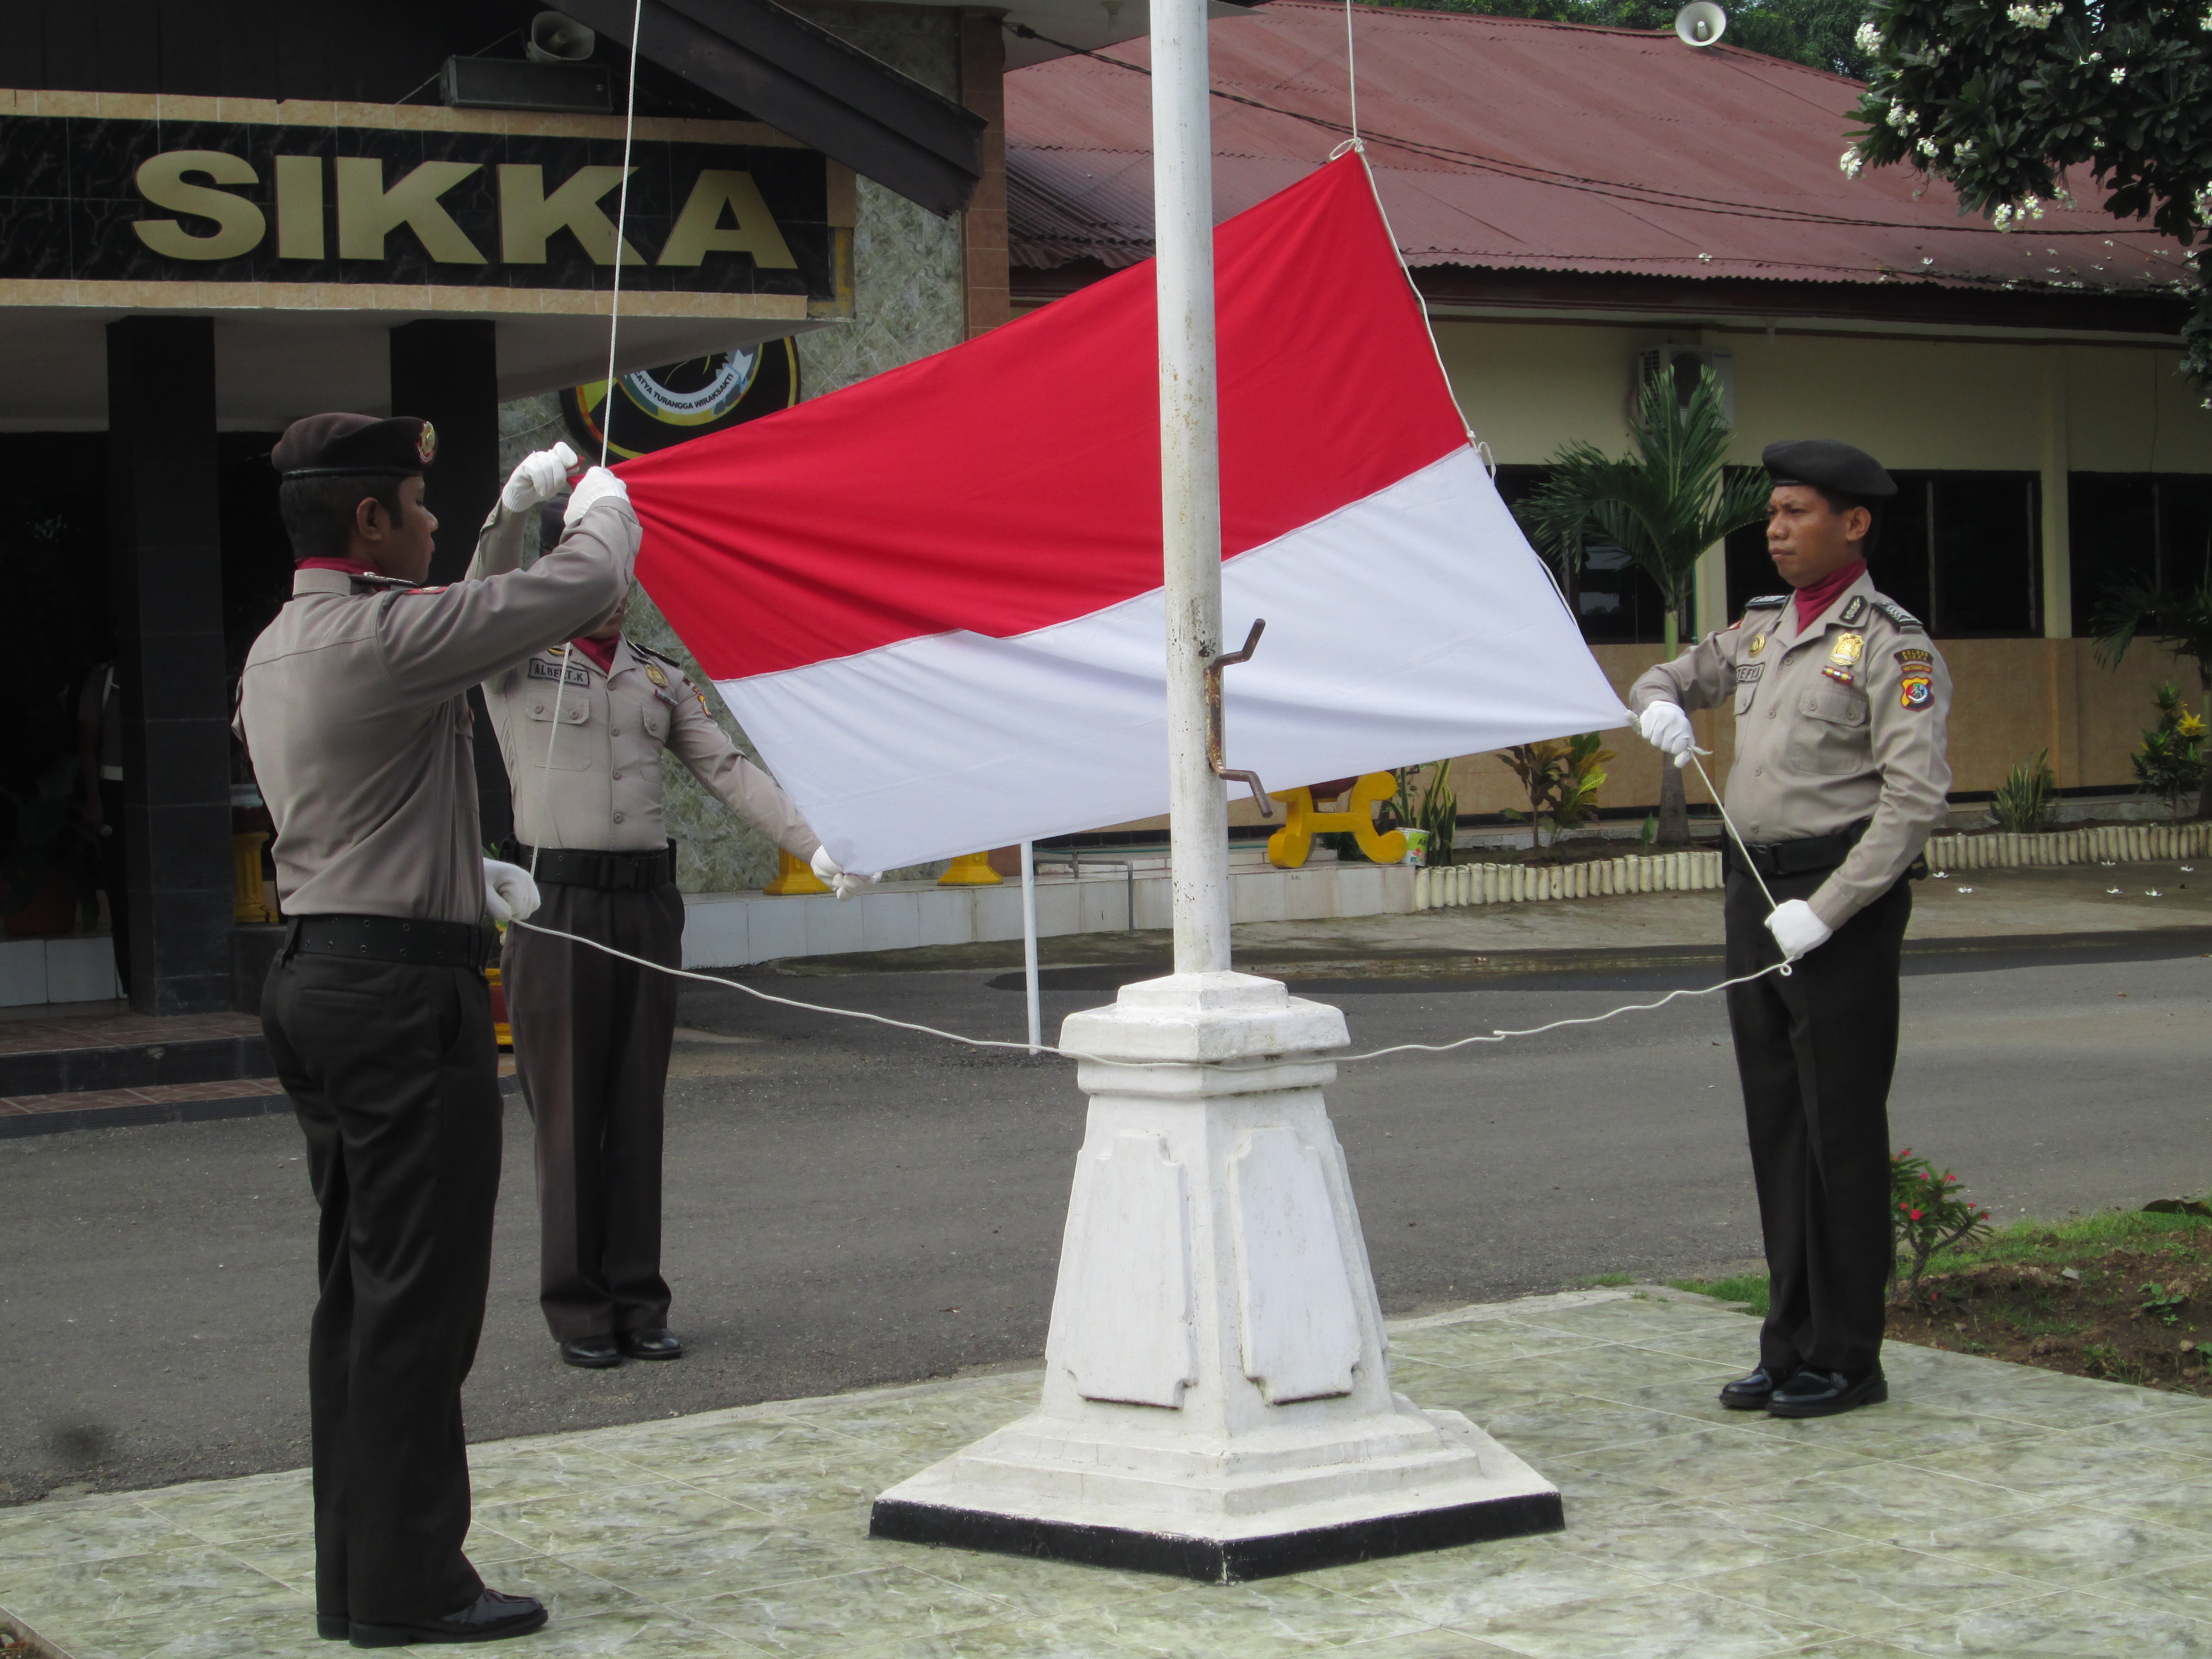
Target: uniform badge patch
{"x":1758,"y":643}
{"x":426,"y":444}
{"x":1908,"y":658}
{"x":1854,"y":610}
{"x":542,"y":670}
{"x":1916,"y":690}
{"x":653,"y":672}
{"x":1844,"y":656}
{"x":1746,"y":673}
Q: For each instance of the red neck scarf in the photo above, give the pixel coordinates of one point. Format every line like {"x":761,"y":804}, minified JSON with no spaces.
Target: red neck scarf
{"x":1812,"y":601}
{"x":601,"y":652}
{"x":351,"y":566}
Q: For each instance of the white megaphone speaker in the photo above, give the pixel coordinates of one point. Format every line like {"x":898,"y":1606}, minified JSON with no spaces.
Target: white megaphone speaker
{"x":1698,"y":24}
{"x":555,"y":38}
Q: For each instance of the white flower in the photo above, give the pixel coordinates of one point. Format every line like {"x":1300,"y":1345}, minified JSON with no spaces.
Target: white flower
{"x":1965,"y":149}
{"x":2033,"y":16}
{"x":1852,"y":163}
{"x":2119,"y":73}
{"x":1901,"y":117}
{"x":1868,"y":39}
{"x":1928,"y":147}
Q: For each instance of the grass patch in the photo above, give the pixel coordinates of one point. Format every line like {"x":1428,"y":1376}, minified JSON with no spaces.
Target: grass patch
{"x":1607,"y":1281}
{"x":1744,"y":1287}
{"x":2126,"y":1295}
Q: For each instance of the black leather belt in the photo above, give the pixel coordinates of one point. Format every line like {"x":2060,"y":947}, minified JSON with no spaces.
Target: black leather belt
{"x":1776,"y":858}
{"x":613,"y":872}
{"x":392,"y":939}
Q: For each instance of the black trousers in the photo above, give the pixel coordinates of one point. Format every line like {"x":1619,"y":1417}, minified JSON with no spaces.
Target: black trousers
{"x":394,"y":1072}
{"x":591,"y":1034}
{"x":1816,"y":1052}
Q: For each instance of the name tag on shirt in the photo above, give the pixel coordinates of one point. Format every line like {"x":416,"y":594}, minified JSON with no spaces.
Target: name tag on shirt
{"x":542,"y":670}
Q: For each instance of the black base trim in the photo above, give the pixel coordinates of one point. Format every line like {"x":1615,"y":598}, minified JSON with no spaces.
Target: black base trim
{"x":1217,"y":1561}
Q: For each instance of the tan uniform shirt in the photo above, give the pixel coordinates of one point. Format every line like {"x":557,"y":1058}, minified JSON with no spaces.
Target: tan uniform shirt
{"x":1841,"y":722}
{"x":354,"y":709}
{"x":603,"y":791}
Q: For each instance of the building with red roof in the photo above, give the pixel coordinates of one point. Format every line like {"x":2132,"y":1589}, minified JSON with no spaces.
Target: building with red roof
{"x":1581,"y":206}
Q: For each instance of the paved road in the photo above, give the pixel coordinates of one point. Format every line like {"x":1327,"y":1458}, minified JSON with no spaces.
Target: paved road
{"x":851,"y":1206}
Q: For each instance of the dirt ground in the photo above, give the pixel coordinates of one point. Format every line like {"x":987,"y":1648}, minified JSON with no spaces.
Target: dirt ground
{"x":2137,"y":1312}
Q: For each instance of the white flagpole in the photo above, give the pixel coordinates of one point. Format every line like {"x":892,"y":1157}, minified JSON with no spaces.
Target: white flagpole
{"x":1190,"y":477}
{"x":1028,"y":943}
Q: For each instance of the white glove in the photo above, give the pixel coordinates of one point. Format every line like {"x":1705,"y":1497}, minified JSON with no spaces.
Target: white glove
{"x":1798,"y":928}
{"x":827,"y":869}
{"x":597,"y":484}
{"x":509,"y":893}
{"x":1665,"y":727}
{"x":537,"y":477}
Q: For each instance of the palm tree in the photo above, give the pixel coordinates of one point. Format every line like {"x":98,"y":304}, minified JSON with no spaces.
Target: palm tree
{"x":1663,"y":505}
{"x":2180,"y":622}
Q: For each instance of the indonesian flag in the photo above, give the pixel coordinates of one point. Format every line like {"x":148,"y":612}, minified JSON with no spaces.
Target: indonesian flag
{"x":933,"y":599}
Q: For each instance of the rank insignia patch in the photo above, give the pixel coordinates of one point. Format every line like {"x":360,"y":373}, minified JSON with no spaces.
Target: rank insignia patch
{"x":1917,"y":690}
{"x":1854,"y":610}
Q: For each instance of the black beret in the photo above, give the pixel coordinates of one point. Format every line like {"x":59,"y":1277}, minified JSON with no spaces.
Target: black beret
{"x":1826,"y":465}
{"x":331,"y":446}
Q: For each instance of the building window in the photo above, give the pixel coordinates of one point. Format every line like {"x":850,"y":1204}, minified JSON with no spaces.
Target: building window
{"x":1960,"y":550}
{"x":2135,"y":529}
{"x":1612,"y":597}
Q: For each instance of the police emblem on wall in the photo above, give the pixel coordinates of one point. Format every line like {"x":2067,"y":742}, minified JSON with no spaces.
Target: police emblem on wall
{"x":654,"y":408}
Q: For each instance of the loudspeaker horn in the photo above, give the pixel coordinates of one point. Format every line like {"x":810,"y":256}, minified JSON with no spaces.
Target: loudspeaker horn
{"x":555,"y":38}
{"x":1700,"y":23}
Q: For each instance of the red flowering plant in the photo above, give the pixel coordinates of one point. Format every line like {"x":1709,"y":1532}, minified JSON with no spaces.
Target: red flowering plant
{"x":1928,"y":1213}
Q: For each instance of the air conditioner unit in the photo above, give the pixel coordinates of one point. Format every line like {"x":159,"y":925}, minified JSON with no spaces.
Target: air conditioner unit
{"x":1683,"y":363}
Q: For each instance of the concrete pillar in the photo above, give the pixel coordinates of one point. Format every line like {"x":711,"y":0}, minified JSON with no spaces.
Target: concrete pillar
{"x":447,"y":371}
{"x":1708,"y":603}
{"x":983,"y":225}
{"x":165,"y":586}
{"x":2052,"y":462}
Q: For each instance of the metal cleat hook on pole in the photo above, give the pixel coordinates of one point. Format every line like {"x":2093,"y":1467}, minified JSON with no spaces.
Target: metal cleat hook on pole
{"x":1215,"y":741}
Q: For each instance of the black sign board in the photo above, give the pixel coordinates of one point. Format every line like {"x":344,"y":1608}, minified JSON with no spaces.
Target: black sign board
{"x":103,"y":199}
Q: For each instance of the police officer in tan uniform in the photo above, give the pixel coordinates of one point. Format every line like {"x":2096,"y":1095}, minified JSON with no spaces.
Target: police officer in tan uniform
{"x":1838,"y":778}
{"x":353,"y":706}
{"x":582,"y":725}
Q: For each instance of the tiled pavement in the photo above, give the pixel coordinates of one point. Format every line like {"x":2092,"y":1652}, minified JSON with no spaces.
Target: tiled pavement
{"x":1987,"y":1508}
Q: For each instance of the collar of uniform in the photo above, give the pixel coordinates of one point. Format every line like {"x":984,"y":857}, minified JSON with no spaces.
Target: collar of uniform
{"x":305,"y":580}
{"x":1786,"y":634}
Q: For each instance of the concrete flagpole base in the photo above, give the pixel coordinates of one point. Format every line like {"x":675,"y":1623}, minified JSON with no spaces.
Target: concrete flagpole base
{"x":1217,"y":1400}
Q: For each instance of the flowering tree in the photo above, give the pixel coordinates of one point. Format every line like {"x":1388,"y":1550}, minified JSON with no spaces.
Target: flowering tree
{"x":2002,"y":99}
{"x":1928,"y":1213}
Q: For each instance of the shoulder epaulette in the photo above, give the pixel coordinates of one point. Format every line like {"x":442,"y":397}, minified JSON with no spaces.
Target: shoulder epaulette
{"x":1897,"y":614}
{"x":1766,"y":602}
{"x":376,"y":584}
{"x":657,"y":656}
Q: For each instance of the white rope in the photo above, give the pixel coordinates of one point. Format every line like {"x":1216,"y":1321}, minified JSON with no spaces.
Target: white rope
{"x":1350,"y":71}
{"x":1110,"y":1060}
{"x":606,"y":405}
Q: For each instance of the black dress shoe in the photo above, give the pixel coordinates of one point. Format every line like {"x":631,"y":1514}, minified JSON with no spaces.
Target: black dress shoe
{"x":593,"y":1353}
{"x":1824,"y":1394}
{"x":333,"y":1627}
{"x":654,"y":1342}
{"x":490,"y":1617}
{"x":1751,"y":1393}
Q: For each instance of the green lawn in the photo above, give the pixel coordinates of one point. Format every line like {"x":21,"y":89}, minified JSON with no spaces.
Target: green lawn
{"x":2036,"y":1242}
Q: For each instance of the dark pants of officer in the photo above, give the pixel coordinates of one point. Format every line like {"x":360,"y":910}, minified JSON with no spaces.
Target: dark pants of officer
{"x":591,"y":1034}
{"x":115,"y":875}
{"x":394,"y":1071}
{"x":1816,"y":1052}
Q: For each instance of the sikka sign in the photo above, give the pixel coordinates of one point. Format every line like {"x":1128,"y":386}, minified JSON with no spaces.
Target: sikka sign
{"x":93,"y":199}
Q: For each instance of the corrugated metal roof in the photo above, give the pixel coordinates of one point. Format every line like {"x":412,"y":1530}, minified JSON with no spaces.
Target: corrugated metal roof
{"x":1510,"y":144}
